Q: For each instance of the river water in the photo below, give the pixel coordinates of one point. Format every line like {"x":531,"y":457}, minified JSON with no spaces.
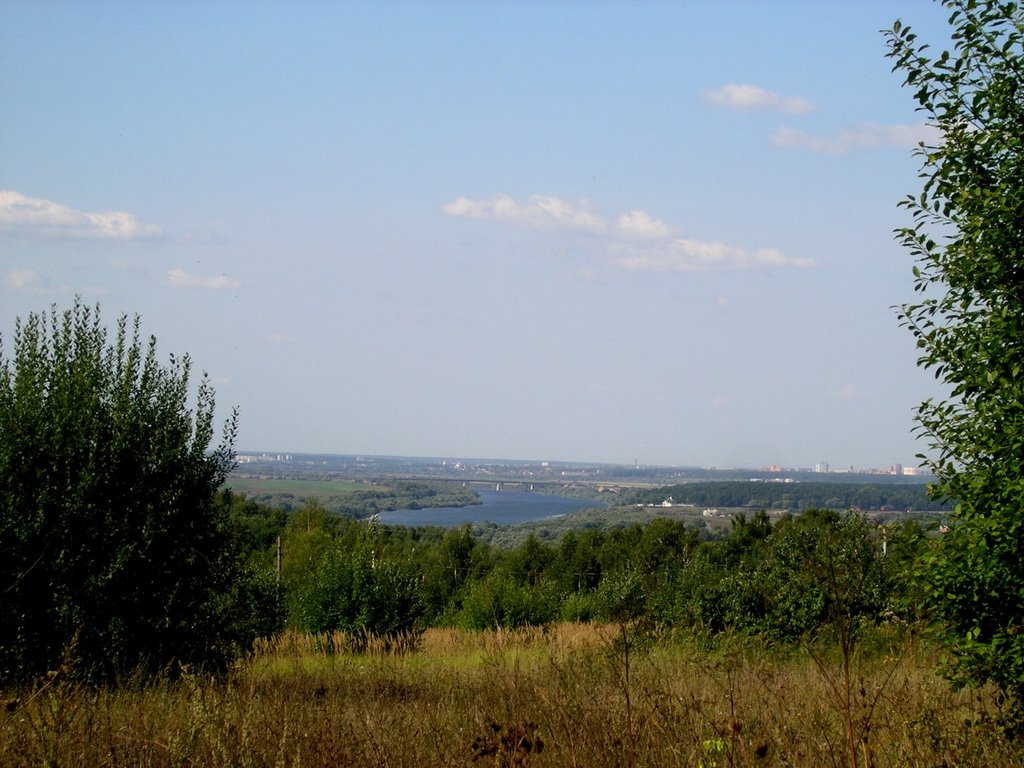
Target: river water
{"x":501,"y":507}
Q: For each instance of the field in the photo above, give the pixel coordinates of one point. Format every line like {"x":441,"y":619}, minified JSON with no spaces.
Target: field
{"x":349,"y":498}
{"x":299,"y":488}
{"x":571,"y":695}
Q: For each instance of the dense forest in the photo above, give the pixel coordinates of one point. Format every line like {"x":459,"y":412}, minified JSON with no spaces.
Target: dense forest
{"x":798,"y":496}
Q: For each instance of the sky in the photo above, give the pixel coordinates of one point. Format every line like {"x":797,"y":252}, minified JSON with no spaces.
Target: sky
{"x":654,"y":232}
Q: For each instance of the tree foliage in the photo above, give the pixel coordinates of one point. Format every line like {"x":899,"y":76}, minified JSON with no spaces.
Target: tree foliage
{"x":113,"y":547}
{"x":784,"y":579}
{"x":796,"y":497}
{"x":967,"y":237}
{"x":343,"y":581}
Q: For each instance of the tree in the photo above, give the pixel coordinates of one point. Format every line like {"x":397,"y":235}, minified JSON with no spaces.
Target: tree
{"x":349,"y":586}
{"x":115,"y":552}
{"x":447,"y":567}
{"x":967,"y":238}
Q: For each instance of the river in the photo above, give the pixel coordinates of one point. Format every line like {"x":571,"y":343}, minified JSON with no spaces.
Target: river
{"x":501,"y":507}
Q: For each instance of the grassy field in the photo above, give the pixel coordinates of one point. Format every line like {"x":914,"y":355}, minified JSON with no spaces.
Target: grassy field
{"x":297,"y":487}
{"x":572,"y":695}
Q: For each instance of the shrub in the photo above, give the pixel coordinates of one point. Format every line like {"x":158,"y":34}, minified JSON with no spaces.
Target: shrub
{"x":108,"y":524}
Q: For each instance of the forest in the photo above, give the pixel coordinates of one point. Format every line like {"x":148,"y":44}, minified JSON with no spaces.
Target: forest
{"x":796,"y":497}
{"x":781,"y":580}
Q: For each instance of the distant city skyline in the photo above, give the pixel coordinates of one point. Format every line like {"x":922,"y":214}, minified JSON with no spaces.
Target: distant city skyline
{"x":597,"y":232}
{"x":261,"y":457}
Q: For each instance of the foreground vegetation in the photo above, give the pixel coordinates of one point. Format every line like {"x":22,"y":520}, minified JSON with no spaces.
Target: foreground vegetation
{"x":574,"y":694}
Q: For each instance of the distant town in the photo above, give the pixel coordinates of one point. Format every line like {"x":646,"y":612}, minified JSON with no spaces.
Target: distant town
{"x":496,"y":470}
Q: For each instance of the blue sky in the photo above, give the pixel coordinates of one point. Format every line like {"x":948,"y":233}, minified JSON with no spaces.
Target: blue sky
{"x":587,"y":231}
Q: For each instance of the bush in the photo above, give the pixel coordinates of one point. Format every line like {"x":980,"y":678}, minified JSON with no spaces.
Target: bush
{"x":501,"y":601}
{"x":349,"y":587}
{"x":112,"y":543}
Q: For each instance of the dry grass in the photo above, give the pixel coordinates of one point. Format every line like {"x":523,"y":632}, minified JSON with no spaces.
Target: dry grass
{"x":556,"y":697}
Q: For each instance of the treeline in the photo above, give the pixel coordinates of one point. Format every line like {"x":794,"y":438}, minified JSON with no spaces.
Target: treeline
{"x":796,"y":497}
{"x":781,"y":580}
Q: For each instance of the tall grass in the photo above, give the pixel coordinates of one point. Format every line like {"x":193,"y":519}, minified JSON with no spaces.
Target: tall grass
{"x":551,"y":697}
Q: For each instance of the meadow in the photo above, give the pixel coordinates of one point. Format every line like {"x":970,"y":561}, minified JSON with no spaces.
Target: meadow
{"x":301,"y":488}
{"x":566,"y":695}
{"x":348,"y":498}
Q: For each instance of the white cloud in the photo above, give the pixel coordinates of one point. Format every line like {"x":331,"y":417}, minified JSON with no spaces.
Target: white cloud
{"x":36,"y":217}
{"x":539,"y":212}
{"x":687,"y":255}
{"x":642,"y":224}
{"x":21,"y":279}
{"x":846,"y":392}
{"x":746,"y":96}
{"x":178,"y":278}
{"x":867,"y":136}
{"x":277,"y":338}
{"x":638,"y":242}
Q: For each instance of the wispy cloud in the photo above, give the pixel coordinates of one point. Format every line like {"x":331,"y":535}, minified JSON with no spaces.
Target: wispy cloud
{"x":867,"y":136}
{"x":35,"y":217}
{"x":847,"y":392}
{"x":634,"y":241}
{"x":642,"y":224}
{"x":750,"y":97}
{"x":21,"y":279}
{"x":179,"y":278}
{"x":538,"y":212}
{"x":687,"y":255}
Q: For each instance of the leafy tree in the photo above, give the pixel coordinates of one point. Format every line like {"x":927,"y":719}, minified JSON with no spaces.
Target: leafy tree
{"x":665,"y":545}
{"x":576,"y":565}
{"x":503,"y":600}
{"x":701,"y":594}
{"x":967,"y":238}
{"x":456,"y":559}
{"x":341,"y":582}
{"x":823,"y":558}
{"x":307,"y":537}
{"x":527,"y":563}
{"x":744,"y":536}
{"x":621,"y":596}
{"x":807,"y":573}
{"x":113,"y":545}
{"x":256,"y":525}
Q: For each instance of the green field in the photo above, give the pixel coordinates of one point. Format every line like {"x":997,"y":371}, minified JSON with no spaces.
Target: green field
{"x":299,"y":488}
{"x":350,"y":498}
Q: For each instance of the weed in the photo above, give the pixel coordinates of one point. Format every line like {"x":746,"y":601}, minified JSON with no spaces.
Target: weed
{"x":524,"y":698}
{"x":507,"y":746}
